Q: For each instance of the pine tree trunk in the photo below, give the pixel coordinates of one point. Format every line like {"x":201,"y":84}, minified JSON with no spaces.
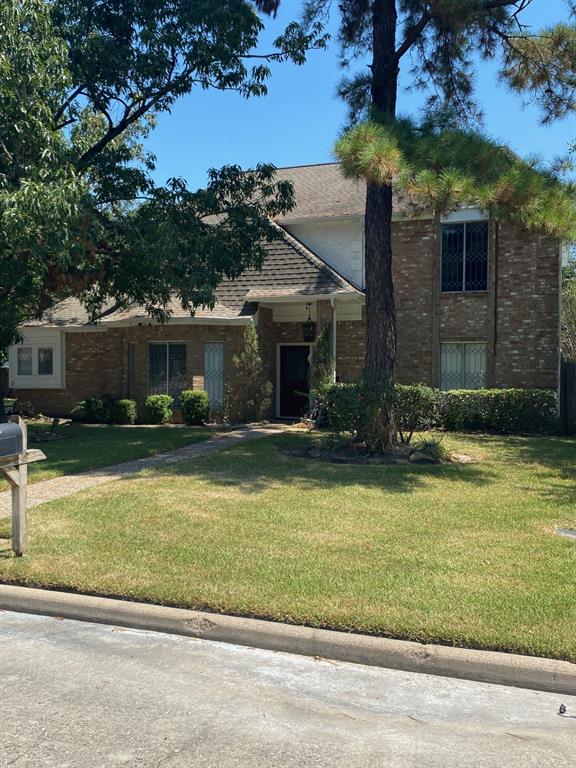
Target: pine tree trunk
{"x":380,"y":310}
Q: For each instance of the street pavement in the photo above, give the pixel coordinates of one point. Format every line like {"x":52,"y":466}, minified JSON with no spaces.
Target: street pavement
{"x":92,"y":696}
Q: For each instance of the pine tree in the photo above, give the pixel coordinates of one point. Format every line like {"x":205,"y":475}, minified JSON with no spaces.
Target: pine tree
{"x":248,"y":393}
{"x":445,"y":40}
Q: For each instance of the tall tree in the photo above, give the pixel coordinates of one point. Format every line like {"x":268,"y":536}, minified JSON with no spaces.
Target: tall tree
{"x":443,"y":42}
{"x":81,"y":84}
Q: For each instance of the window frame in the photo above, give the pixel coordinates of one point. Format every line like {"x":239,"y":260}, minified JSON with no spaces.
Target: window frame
{"x":448,"y":222}
{"x":167,"y":344}
{"x":462,"y":344}
{"x":37,"y":339}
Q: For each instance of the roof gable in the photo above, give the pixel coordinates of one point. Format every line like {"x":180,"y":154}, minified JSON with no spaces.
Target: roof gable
{"x":289,"y":270}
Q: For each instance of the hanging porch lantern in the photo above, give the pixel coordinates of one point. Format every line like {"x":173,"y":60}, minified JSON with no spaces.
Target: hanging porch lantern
{"x":309,"y":328}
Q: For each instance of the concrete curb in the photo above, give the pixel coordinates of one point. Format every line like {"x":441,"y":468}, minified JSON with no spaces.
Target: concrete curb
{"x":484,"y":666}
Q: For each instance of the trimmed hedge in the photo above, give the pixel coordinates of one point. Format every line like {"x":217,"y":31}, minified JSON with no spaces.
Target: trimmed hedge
{"x":499,"y":410}
{"x":195,"y":406}
{"x":419,"y":407}
{"x":159,"y":408}
{"x":344,"y":408}
{"x":416,"y":409}
{"x":125,"y":412}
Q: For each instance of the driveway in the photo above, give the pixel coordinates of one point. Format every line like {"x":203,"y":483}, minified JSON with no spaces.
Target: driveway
{"x":78,"y":694}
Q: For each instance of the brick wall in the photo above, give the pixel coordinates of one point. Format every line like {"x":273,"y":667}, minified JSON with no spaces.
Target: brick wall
{"x":517,"y":317}
{"x":97,"y":362}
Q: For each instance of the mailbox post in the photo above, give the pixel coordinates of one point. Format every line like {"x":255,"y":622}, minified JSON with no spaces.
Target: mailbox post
{"x":14,"y":459}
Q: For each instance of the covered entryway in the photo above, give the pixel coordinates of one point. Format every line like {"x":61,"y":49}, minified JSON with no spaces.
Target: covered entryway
{"x":293,"y":381}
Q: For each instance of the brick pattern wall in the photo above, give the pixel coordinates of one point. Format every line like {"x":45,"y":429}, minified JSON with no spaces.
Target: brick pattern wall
{"x":527,"y":310}
{"x":97,"y":362}
{"x":518,"y":318}
{"x":93,"y":366}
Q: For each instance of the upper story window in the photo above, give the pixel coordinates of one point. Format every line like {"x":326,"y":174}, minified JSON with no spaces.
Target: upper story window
{"x":465,"y":256}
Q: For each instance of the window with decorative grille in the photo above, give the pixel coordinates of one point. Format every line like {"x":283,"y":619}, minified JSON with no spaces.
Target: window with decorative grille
{"x":465,"y":256}
{"x":462,"y":365}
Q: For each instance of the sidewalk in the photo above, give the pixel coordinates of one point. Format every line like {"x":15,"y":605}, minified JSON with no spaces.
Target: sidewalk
{"x":67,"y":485}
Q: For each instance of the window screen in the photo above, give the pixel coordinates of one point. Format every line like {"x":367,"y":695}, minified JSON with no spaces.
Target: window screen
{"x":167,"y":369}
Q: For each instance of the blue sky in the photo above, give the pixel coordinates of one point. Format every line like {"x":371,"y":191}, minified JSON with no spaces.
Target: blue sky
{"x":299,"y":119}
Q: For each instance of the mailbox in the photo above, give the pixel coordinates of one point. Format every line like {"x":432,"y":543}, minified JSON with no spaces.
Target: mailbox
{"x":11,"y":439}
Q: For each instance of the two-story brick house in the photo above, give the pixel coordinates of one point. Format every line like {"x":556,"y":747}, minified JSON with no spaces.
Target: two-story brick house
{"x":478,"y":304}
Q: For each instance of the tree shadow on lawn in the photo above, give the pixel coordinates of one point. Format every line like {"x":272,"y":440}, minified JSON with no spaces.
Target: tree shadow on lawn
{"x":553,"y":457}
{"x":257,"y":466}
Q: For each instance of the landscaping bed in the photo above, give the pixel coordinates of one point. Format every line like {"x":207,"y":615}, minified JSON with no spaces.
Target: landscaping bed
{"x":463,"y":554}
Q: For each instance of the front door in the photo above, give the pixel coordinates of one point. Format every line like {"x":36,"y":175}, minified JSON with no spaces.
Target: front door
{"x":294,"y":381}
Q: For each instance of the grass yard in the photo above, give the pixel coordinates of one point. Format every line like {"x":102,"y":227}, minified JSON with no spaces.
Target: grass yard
{"x":88,"y":446}
{"x":459,"y":554}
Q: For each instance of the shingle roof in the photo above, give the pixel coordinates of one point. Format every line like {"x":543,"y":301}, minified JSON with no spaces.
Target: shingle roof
{"x":290,"y":269}
{"x":323,"y":191}
{"x":69,"y":312}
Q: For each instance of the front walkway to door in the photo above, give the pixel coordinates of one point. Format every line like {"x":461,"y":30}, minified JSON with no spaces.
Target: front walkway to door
{"x":59,"y":487}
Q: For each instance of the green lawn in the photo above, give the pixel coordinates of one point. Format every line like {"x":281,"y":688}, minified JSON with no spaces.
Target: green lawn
{"x":88,"y":446}
{"x":460,"y":554}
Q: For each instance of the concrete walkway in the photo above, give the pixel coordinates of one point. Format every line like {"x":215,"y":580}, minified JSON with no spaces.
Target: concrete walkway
{"x":59,"y":487}
{"x":90,"y":696}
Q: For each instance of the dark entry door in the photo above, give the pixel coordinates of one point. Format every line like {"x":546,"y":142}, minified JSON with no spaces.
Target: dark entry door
{"x":294,"y":386}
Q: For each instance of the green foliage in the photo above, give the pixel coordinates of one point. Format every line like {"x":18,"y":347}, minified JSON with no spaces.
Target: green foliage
{"x":98,"y":409}
{"x":419,"y":407}
{"x":81,"y":85}
{"x":415,"y":408}
{"x":432,"y":446}
{"x":195,"y":406}
{"x":344,"y":408}
{"x":321,"y":362}
{"x":443,"y":167}
{"x":447,"y":40}
{"x":321,"y":373}
{"x":347,"y":405}
{"x":159,"y":408}
{"x":530,"y":411}
{"x":125,"y":412}
{"x":248,"y":391}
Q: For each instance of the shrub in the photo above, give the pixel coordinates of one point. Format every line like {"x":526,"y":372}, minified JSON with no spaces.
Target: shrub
{"x":499,"y":410}
{"x":433,"y":447}
{"x":247,"y":396}
{"x":415,"y":408}
{"x":344,"y":408}
{"x":97,"y":409}
{"x":321,"y":374}
{"x":125,"y":412}
{"x":159,"y":408}
{"x":195,"y":406}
